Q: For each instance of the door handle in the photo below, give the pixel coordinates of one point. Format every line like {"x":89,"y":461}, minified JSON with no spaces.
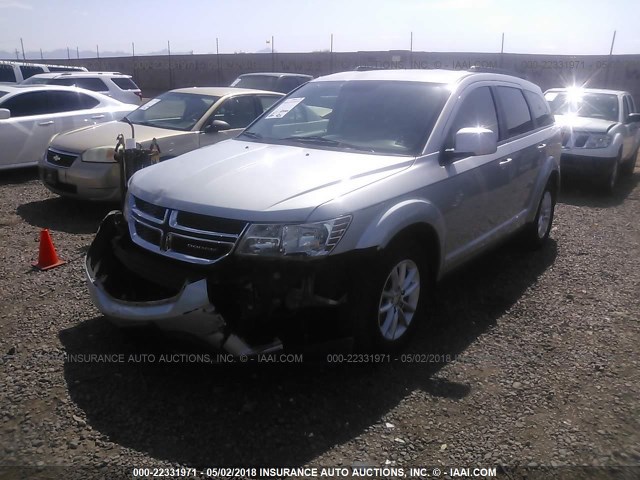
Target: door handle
{"x":541,"y":146}
{"x":50,"y":122}
{"x":505,"y":161}
{"x":97,"y":116}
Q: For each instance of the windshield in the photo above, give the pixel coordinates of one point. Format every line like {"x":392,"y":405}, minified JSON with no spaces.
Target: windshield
{"x":584,"y":104}
{"x":389,"y":117}
{"x":173,"y":110}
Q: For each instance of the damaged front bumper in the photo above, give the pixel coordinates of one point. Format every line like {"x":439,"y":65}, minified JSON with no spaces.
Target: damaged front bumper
{"x":242,"y":306}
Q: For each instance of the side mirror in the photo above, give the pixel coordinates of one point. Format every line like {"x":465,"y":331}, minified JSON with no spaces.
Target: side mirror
{"x":5,"y":113}
{"x":633,"y":118}
{"x":475,"y":141}
{"x":216,"y":126}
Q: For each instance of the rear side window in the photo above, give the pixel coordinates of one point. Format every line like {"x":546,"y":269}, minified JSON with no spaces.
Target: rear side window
{"x":93,"y":84}
{"x":125,"y":83}
{"x":267,"y":101}
{"x":7,"y":74}
{"x":539,"y":108}
{"x":477,"y":110}
{"x":287,"y":84}
{"x":517,"y":116}
{"x":29,"y":71}
{"x":29,"y":103}
{"x":69,"y":101}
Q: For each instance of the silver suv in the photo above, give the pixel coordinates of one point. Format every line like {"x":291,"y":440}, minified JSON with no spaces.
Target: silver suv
{"x":112,"y":84}
{"x":355,"y":193}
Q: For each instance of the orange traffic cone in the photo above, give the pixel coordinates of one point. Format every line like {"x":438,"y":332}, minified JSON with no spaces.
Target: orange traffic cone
{"x":47,"y":257}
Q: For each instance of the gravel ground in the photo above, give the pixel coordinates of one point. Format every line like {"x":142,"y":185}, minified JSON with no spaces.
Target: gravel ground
{"x":534,"y":362}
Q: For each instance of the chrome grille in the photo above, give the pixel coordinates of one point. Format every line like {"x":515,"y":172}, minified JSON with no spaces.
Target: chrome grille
{"x":185,"y":236}
{"x":61,"y":159}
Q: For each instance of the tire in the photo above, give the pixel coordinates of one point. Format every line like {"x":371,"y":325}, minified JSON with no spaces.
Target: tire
{"x":387,"y":305}
{"x":629,"y":166}
{"x":609,"y":185}
{"x":537,"y":232}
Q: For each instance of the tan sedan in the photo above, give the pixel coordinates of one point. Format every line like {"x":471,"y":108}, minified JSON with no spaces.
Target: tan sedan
{"x":80,"y":163}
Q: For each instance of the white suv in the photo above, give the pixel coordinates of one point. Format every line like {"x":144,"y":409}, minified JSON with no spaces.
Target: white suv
{"x":355,"y":193}
{"x":112,"y":84}
{"x":600,"y":132}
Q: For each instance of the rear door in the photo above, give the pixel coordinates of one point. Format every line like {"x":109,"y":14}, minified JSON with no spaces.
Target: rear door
{"x":525,"y":151}
{"x":25,"y":136}
{"x":74,"y":110}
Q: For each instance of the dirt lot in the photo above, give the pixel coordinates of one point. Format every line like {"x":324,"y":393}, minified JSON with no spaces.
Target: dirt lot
{"x":534,"y":362}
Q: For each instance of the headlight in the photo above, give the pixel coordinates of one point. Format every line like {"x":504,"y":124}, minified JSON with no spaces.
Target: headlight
{"x":598,"y":140}
{"x":99,"y":155}
{"x":307,"y":240}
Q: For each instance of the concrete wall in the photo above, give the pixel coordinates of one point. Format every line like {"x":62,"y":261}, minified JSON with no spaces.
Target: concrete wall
{"x":155,"y":74}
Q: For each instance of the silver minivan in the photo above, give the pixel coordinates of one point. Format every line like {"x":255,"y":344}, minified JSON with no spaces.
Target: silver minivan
{"x":355,"y":193}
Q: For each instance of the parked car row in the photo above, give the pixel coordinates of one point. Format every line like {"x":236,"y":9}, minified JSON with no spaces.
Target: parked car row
{"x":356,"y":192}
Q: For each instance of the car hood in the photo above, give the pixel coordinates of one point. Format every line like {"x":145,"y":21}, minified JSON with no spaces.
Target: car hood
{"x":106,"y":134}
{"x":584,"y":124}
{"x":260,"y":182}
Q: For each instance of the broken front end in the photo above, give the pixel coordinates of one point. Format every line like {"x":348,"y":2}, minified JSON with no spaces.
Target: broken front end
{"x":178,"y":271}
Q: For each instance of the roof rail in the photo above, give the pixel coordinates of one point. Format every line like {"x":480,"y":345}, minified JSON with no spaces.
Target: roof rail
{"x":366,"y":68}
{"x":503,"y":71}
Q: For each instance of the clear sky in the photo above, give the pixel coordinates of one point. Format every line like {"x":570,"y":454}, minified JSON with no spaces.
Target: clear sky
{"x":544,"y":26}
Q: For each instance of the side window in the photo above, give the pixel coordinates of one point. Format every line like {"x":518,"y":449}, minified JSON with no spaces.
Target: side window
{"x":26,"y":104}
{"x":517,"y":116}
{"x":70,"y":101}
{"x":632,"y":105}
{"x":94,"y":84}
{"x":477,"y":110}
{"x":238,"y":112}
{"x":7,"y":74}
{"x":28,"y":71}
{"x":267,"y":101}
{"x":539,"y":108}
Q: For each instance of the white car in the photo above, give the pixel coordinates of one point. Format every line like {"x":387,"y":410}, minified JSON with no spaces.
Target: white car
{"x":112,"y":84}
{"x":31,"y":116}
{"x":600,"y":132}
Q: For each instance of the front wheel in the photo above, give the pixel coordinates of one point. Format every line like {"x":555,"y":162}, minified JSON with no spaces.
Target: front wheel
{"x":612,"y":179}
{"x":537,"y":232}
{"x":629,"y":166}
{"x":387,"y":305}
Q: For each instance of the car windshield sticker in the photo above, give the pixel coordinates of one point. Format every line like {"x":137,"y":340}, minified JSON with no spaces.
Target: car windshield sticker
{"x":285,"y":107}
{"x":150,"y":103}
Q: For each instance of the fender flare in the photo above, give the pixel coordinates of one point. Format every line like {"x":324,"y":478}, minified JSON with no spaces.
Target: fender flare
{"x":400,"y":216}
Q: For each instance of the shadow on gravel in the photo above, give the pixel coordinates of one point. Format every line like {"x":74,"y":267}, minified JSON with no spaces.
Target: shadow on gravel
{"x":581,"y":193}
{"x":65,"y":215}
{"x":19,"y":175}
{"x":200,"y":414}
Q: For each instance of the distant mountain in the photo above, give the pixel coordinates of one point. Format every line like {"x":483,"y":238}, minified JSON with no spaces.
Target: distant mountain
{"x":61,"y":53}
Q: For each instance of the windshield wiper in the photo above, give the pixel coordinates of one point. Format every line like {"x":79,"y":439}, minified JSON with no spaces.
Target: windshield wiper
{"x":251,"y":134}
{"x":328,"y":141}
{"x":314,"y":139}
